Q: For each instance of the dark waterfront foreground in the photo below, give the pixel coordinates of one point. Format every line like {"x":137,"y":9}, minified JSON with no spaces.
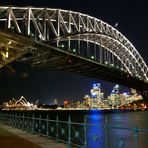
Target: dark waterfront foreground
{"x":91,"y":129}
{"x":9,"y":140}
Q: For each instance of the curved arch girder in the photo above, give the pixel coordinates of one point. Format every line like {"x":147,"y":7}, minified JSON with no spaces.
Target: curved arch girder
{"x":91,"y":41}
{"x":45,"y":23}
{"x":103,"y":41}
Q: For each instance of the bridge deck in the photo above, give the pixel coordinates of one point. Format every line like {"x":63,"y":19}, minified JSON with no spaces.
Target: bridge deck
{"x":12,"y":137}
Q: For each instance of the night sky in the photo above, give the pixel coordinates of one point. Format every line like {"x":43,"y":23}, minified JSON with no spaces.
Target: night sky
{"x":17,"y":79}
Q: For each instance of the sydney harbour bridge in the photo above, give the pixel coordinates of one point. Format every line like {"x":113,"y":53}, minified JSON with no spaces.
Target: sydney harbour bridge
{"x":72,"y":42}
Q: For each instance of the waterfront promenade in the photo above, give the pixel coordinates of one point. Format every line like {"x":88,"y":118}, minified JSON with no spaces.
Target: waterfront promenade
{"x":14,"y":138}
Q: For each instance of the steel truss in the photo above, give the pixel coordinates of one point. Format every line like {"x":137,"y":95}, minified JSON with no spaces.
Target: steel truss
{"x":48,"y":25}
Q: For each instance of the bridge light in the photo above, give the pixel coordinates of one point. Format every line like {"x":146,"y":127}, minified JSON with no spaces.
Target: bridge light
{"x":3,"y":54}
{"x":92,"y":57}
{"x":62,"y":45}
{"x":7,"y":54}
{"x":121,"y":68}
{"x":40,"y":36}
{"x":9,"y":42}
{"x":112,"y":64}
{"x":74,"y":50}
{"x":106,"y":62}
{"x":142,"y":70}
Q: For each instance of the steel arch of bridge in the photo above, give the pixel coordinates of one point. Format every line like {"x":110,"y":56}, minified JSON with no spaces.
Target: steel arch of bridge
{"x":57,"y":25}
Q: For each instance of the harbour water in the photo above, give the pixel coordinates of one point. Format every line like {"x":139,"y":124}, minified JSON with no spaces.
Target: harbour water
{"x":121,"y":130}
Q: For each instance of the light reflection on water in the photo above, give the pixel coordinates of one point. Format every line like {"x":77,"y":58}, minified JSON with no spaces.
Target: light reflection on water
{"x":116,"y":136}
{"x":95,"y":133}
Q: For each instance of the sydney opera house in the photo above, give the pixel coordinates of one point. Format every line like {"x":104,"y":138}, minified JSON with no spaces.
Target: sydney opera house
{"x":20,"y":104}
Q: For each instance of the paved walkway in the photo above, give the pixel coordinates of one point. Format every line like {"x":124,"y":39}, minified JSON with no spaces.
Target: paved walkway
{"x":14,"y":138}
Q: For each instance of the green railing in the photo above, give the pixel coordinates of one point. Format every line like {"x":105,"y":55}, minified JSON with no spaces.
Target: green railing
{"x":77,"y":134}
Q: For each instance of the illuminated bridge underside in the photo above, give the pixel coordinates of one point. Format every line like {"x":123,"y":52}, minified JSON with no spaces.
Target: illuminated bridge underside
{"x":70,"y":41}
{"x":18,"y":47}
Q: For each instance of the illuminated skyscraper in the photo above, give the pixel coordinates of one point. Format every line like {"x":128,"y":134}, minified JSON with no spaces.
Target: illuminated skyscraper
{"x":116,"y":89}
{"x":96,"y":94}
{"x":114,"y":98}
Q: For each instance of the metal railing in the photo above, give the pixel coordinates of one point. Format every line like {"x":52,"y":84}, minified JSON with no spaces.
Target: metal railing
{"x":76,"y":134}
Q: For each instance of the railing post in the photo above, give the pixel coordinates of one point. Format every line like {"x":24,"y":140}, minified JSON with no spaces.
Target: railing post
{"x":57,"y":126}
{"x":106,"y":132}
{"x":85,"y":132}
{"x":16,"y":119}
{"x":0,"y":116}
{"x":135,"y":130}
{"x":69,"y":131}
{"x":17,"y":123}
{"x":7,"y":119}
{"x":10,"y":119}
{"x":27,"y":122}
{"x":20,"y":117}
{"x":33,"y":123}
{"x":39,"y":124}
{"x":23,"y":122}
{"x":47,"y":126}
{"x":4,"y":116}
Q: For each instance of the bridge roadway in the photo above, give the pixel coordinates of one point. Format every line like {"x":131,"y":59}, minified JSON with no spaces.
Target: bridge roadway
{"x":59,"y":59}
{"x":16,"y":138}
